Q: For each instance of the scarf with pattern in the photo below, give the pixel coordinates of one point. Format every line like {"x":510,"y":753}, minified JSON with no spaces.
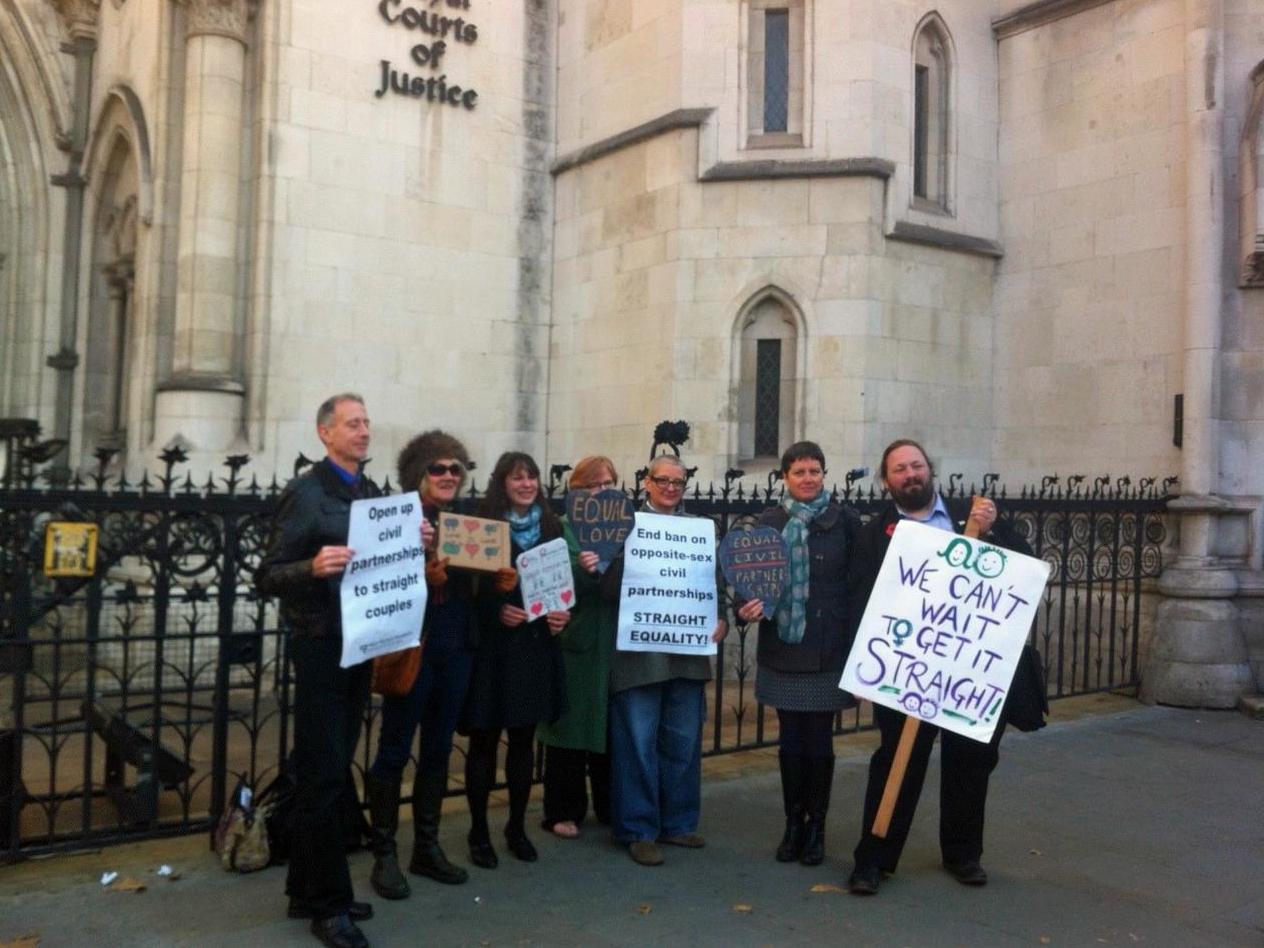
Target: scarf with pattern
{"x":792,"y":610}
{"x":525,"y":527}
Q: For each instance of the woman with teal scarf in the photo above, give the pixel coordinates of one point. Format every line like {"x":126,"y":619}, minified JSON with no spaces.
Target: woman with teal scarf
{"x":518,"y":677}
{"x":803,"y":643}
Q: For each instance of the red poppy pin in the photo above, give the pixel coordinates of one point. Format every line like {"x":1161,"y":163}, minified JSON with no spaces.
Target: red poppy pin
{"x":890,"y":529}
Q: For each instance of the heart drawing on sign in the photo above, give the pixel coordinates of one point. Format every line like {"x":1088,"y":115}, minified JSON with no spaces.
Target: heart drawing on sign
{"x":490,"y":528}
{"x":471,"y":548}
{"x":451,"y":522}
{"x":490,"y":551}
{"x":537,"y":608}
{"x":452,"y":548}
{"x":567,"y":596}
{"x":471,"y":525}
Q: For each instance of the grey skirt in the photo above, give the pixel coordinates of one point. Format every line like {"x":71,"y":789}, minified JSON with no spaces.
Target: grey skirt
{"x":801,"y":691}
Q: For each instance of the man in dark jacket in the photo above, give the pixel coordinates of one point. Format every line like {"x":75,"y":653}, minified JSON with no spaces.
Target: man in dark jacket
{"x":909,"y":478}
{"x":303,"y":565}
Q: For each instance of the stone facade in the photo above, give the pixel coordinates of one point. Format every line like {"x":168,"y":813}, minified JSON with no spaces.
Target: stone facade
{"x":1022,"y":232}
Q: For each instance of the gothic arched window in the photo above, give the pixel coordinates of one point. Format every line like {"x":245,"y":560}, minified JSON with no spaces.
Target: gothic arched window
{"x":932,"y":95}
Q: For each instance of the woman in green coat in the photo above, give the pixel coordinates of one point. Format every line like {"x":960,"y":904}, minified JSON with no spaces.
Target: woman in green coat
{"x":575,"y":744}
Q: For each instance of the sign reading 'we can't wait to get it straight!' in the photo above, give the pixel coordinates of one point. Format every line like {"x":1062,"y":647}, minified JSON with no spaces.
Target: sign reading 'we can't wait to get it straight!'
{"x":944,"y":628}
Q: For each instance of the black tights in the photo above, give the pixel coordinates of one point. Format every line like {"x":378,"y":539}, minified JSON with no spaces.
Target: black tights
{"x":807,"y":733}
{"x":480,"y":776}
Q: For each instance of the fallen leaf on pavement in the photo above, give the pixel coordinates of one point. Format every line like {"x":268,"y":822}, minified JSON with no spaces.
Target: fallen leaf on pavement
{"x":1045,"y":939}
{"x":29,"y":940}
{"x":125,"y":885}
{"x":645,"y":908}
{"x":741,"y":907}
{"x":827,"y":887}
{"x":1035,"y":852}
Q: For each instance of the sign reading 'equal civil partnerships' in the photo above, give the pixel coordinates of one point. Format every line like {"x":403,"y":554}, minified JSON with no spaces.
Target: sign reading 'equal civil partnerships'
{"x":667,"y":602}
{"x":944,"y":628}
{"x":383,"y":587}
{"x":757,"y":564}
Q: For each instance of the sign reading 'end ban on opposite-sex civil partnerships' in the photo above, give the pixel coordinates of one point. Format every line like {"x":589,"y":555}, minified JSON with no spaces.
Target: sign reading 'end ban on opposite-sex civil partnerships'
{"x":667,"y":602}
{"x":383,"y":587}
{"x":944,"y":628}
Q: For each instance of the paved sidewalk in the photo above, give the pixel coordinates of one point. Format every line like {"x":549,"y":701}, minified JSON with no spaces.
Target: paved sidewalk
{"x":1141,"y":826}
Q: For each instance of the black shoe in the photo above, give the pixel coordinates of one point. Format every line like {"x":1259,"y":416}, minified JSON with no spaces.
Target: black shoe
{"x":864,"y":880}
{"x":339,"y":932}
{"x":968,"y":872}
{"x":792,"y":791}
{"x":356,"y":911}
{"x":482,"y":854}
{"x":431,"y":861}
{"x":818,"y":779}
{"x":521,"y":847}
{"x":386,"y":879}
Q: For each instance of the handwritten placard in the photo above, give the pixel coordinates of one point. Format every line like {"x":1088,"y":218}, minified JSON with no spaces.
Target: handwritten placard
{"x":667,"y":602}
{"x":383,"y":587}
{"x":756,"y":563}
{"x":545,"y":574}
{"x":473,"y":542}
{"x":601,"y":521}
{"x":944,"y":628}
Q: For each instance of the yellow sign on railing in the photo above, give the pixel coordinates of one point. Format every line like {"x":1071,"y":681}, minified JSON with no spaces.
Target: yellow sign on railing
{"x":70,"y":549}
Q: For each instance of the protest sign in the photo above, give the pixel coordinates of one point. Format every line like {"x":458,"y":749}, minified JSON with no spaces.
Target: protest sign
{"x":601,"y":521}
{"x":667,"y":602}
{"x":473,"y":543}
{"x":383,"y":587}
{"x":944,"y":628}
{"x":756,"y":562}
{"x":544,"y":573}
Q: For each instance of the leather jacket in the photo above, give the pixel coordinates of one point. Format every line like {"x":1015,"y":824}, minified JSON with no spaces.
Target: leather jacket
{"x":314,"y":511}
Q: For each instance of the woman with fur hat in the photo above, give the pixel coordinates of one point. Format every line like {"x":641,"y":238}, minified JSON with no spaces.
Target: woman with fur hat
{"x":435,"y":463}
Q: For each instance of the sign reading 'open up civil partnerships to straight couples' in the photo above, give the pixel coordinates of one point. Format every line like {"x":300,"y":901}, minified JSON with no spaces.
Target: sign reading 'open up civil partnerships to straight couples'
{"x":383,"y":589}
{"x":667,"y":602}
{"x":944,"y":628}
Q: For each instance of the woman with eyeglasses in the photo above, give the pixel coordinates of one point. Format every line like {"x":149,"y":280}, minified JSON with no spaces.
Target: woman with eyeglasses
{"x":434,"y":463}
{"x":657,"y":707}
{"x":517,"y":682}
{"x":575,"y":744}
{"x":804,"y":639}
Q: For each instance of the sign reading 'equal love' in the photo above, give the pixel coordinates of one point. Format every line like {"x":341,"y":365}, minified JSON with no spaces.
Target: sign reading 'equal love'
{"x":473,"y":542}
{"x":756,"y":563}
{"x":944,"y":628}
{"x":601,"y":521}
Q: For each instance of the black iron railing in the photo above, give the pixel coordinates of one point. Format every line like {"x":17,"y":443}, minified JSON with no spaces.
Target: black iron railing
{"x":130,"y":700}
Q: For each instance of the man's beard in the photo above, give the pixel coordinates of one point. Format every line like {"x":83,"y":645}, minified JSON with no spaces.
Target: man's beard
{"x":915,"y":496}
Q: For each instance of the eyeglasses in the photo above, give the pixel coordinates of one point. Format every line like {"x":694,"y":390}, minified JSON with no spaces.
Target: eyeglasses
{"x":435,"y":470}
{"x":675,"y":483}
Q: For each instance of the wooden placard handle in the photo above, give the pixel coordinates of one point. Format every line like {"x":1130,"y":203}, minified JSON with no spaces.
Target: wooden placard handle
{"x":904,"y":749}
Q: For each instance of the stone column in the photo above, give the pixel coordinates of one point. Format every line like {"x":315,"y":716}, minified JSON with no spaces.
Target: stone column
{"x":201,"y":401}
{"x":1198,"y":657}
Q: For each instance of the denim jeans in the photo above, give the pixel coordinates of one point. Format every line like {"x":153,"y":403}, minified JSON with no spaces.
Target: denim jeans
{"x":656,"y":759}
{"x":435,"y":703}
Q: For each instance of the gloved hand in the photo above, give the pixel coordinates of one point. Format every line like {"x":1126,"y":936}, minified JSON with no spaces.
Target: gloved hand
{"x":506,"y":580}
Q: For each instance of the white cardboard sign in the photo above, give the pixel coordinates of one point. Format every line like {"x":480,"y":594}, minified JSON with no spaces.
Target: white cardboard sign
{"x":667,"y":602}
{"x":384,"y":585}
{"x":944,"y":628}
{"x":545,"y":574}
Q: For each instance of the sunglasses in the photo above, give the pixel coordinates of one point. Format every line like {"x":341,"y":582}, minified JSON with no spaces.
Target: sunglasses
{"x":435,"y":470}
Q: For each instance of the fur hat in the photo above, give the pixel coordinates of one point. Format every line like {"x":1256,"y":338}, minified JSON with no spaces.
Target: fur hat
{"x":424,"y":450}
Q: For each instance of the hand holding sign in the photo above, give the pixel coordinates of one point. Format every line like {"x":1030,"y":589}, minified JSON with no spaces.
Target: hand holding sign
{"x":601,"y":521}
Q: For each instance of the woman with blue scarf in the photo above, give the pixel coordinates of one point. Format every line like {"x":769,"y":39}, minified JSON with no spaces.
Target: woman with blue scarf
{"x":803,"y":643}
{"x":518,"y":676}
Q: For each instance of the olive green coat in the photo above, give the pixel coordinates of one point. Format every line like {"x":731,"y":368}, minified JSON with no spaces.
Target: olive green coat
{"x":587,"y":644}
